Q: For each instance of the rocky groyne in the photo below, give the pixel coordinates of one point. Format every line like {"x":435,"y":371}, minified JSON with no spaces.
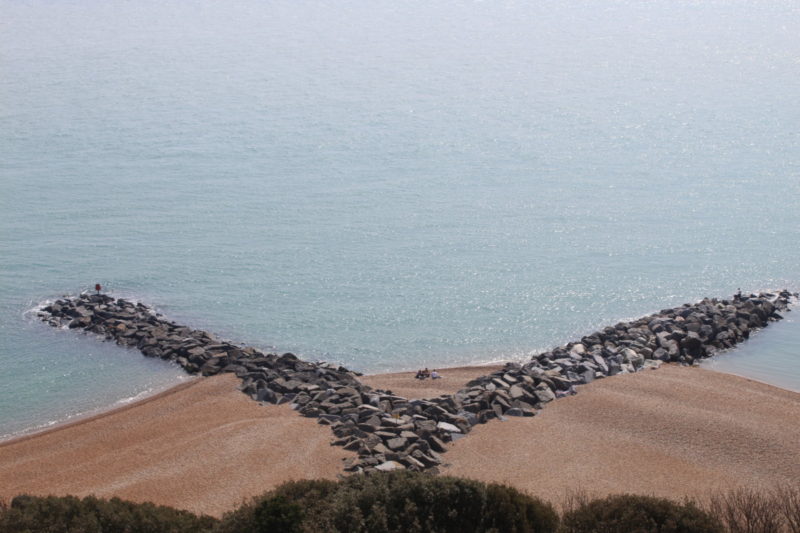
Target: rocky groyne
{"x":389,"y":432}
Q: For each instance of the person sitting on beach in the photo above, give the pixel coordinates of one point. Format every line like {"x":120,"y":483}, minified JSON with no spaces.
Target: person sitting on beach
{"x":435,"y":374}
{"x":420,"y":374}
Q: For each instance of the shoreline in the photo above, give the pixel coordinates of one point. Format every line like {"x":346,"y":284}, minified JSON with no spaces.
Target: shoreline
{"x":390,"y":431}
{"x":191,"y":381}
{"x":750,"y":378}
{"x":388,"y":380}
{"x":675,"y":432}
{"x":100,"y":412}
{"x":206,"y":447}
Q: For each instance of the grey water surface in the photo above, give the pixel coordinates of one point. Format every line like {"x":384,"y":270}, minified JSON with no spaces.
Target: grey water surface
{"x":388,"y":185}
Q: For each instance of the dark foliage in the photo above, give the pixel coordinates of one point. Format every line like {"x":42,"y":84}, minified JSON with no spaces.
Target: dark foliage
{"x":278,"y":514}
{"x":507,"y":509}
{"x":393,"y":503}
{"x":68,"y":514}
{"x":629,"y":513}
{"x":257,"y":515}
{"x":413,"y":503}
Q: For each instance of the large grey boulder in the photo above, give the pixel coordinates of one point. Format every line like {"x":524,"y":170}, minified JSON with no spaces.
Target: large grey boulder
{"x":389,"y":466}
{"x":544,"y":394}
{"x":450,"y":428}
{"x":692,"y":343}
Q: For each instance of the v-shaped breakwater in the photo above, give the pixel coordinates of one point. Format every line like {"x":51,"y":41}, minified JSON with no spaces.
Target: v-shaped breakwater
{"x":390,"y":432}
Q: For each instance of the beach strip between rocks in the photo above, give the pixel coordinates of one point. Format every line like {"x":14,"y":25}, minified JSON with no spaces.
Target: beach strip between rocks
{"x":205,"y":447}
{"x":388,"y":431}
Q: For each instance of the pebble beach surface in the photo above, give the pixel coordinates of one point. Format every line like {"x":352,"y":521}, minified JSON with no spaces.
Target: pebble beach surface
{"x":202,"y":446}
{"x":206,"y":447}
{"x":671,"y":432}
{"x":391,"y":432}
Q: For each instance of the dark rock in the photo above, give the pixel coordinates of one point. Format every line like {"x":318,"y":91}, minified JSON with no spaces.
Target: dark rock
{"x":397,"y":443}
{"x":390,"y":432}
{"x":692,"y":343}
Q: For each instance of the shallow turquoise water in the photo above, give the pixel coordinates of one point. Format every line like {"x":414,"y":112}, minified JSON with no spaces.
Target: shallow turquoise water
{"x":771,"y":357}
{"x":387,"y":185}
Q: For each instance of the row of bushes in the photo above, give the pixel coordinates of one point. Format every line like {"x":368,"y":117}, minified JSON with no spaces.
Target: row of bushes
{"x":736,"y":511}
{"x":406,"y":502}
{"x":69,"y":514}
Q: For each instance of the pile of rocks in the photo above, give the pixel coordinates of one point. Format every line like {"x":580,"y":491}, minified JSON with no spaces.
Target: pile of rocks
{"x":387,"y":431}
{"x":390,"y":432}
{"x":683,"y":335}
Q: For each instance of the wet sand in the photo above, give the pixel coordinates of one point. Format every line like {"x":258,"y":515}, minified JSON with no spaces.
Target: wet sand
{"x":206,"y":447}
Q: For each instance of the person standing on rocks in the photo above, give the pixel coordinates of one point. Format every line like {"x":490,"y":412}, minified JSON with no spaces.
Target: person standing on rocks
{"x":98,"y":287}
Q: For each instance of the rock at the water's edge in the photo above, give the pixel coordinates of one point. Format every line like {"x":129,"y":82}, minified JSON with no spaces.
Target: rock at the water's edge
{"x":389,"y":432}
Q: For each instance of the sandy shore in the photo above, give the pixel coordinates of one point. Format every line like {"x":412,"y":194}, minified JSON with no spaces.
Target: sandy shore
{"x":206,"y":447}
{"x":670,"y":432}
{"x":404,"y":384}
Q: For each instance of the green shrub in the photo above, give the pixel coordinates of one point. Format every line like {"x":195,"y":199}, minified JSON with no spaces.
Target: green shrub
{"x":255,"y":516}
{"x":53,"y":514}
{"x":629,"y":513}
{"x":402,"y":502}
{"x":278,"y":514}
{"x":507,"y":509}
{"x":392,"y":503}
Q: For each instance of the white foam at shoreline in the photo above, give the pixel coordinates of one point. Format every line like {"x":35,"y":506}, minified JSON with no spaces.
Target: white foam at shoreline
{"x":88,"y":413}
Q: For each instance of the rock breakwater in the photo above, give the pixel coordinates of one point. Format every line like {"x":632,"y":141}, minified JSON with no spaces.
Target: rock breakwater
{"x":389,"y":432}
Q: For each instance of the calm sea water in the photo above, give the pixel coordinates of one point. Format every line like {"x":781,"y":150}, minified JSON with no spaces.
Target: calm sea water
{"x":388,"y":185}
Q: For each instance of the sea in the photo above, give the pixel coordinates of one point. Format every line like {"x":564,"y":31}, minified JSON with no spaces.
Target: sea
{"x":388,"y":184}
